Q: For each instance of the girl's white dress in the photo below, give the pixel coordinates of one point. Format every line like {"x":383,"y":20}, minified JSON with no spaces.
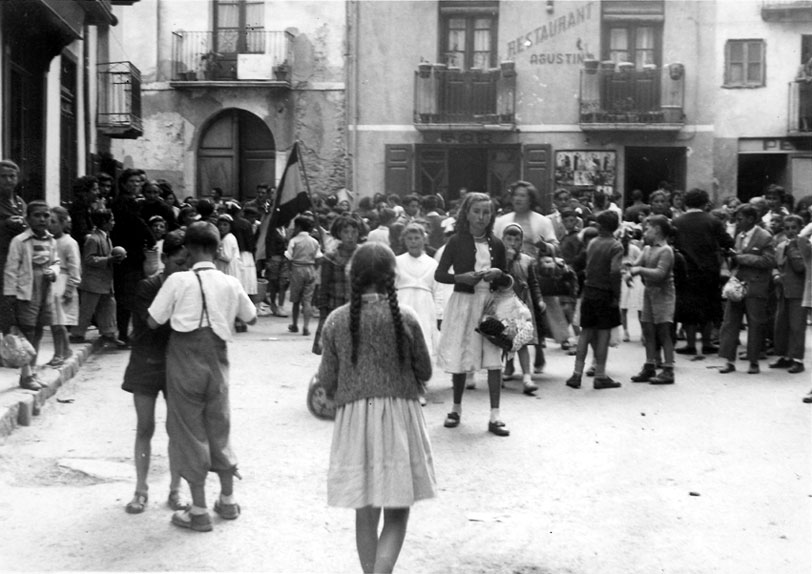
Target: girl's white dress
{"x":70,"y":274}
{"x":462,"y":349}
{"x":631,"y":296}
{"x":418,"y":289}
{"x":228,"y":256}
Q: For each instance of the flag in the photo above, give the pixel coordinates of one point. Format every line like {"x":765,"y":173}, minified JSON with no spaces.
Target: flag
{"x":292,"y":197}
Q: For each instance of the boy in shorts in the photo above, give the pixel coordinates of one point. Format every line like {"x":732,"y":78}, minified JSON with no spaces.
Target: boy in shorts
{"x":201,"y":306}
{"x":31,"y":267}
{"x":303,"y":252}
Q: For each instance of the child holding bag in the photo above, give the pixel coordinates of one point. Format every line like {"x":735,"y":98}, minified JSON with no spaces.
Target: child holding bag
{"x":374,"y":364}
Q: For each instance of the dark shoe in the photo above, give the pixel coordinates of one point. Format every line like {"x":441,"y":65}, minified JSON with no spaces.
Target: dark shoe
{"x":55,"y":362}
{"x":227,"y":511}
{"x":510,"y":368}
{"x":196,"y":522}
{"x":808,"y":398}
{"x":138,"y":504}
{"x":111,"y":341}
{"x":565,"y":345}
{"x":647,"y":372}
{"x":498,"y":428}
{"x":76,"y":339}
{"x":241,"y":328}
{"x":604,"y":383}
{"x":452,"y":420}
{"x":782,"y":363}
{"x":686,"y":351}
{"x":574,"y":382}
{"x":590,"y":372}
{"x":293,"y":329}
{"x":753,"y":370}
{"x":31,"y":383}
{"x":666,"y":377}
{"x":728,"y":368}
{"x":530,"y":388}
{"x":796,"y":368}
{"x":305,"y":332}
{"x":175,"y":502}
{"x":709,"y":349}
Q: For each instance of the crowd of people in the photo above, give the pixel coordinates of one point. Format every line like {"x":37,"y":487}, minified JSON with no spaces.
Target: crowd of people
{"x":463,"y":284}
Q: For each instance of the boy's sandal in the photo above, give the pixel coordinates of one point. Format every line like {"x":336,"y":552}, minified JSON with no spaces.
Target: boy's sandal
{"x":196,"y":522}
{"x":175,"y":502}
{"x":227,"y":511}
{"x":452,"y":420}
{"x":137,"y":504}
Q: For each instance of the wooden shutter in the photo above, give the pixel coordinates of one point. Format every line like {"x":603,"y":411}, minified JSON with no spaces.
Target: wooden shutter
{"x":399,"y":168}
{"x":536,"y":170}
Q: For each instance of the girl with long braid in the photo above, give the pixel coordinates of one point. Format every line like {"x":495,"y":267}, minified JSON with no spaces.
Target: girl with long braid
{"x":479,"y":263}
{"x":374,"y":364}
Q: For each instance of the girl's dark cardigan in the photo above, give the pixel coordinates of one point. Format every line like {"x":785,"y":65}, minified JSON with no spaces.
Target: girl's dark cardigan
{"x":460,"y":252}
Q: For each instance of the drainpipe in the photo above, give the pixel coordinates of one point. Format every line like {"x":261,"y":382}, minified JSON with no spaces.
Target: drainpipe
{"x":351,"y":89}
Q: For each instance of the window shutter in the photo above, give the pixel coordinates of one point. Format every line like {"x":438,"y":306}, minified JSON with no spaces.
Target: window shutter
{"x":399,"y":168}
{"x":536,"y":170}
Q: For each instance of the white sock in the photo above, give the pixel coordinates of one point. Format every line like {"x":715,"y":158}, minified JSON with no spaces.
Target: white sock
{"x":456,"y":408}
{"x":527,"y":379}
{"x":494,"y":415}
{"x":197,"y":510}
{"x":227,"y":499}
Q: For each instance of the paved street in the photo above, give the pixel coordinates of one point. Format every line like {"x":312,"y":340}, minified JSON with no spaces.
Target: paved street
{"x":711,"y":475}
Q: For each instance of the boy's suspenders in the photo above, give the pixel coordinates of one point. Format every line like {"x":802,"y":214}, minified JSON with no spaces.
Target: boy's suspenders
{"x":205,"y":309}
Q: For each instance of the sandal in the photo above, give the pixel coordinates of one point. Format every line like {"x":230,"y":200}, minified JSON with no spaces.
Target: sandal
{"x":452,"y":420}
{"x":227,"y":511}
{"x":137,"y":504}
{"x":175,"y":502}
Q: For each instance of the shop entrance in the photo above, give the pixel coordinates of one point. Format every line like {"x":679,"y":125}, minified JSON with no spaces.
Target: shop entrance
{"x":468,"y":168}
{"x":445,"y":170}
{"x":757,"y":171}
{"x":646,"y":167}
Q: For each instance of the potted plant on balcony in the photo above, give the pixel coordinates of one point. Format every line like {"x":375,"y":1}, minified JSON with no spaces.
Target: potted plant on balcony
{"x":590,"y":65}
{"x":424,"y":69}
{"x":675,"y":71}
{"x":508,"y":68}
{"x":209,"y":64}
{"x":282,"y":71}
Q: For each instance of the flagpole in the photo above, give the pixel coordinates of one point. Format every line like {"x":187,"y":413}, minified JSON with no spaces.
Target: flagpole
{"x":310,"y":194}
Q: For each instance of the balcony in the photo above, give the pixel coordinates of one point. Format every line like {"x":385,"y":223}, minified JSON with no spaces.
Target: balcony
{"x":119,"y":107}
{"x":241,"y":58}
{"x":620,"y":98}
{"x":800,"y":107}
{"x":786,"y":10}
{"x":452,"y":99}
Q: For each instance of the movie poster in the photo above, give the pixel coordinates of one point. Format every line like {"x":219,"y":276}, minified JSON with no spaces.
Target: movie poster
{"x":585,"y":170}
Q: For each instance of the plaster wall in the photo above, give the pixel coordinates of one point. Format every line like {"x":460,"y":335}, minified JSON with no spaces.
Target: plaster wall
{"x":760,"y":111}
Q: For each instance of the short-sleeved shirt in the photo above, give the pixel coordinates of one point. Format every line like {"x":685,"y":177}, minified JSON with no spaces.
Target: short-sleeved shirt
{"x":180,"y":301}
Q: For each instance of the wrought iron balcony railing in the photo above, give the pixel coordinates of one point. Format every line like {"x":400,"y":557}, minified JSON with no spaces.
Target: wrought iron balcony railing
{"x":479,"y":99}
{"x":800,"y":106}
{"x":629,"y":99}
{"x":239,"y":55}
{"x":786,"y":10}
{"x":119,"y":106}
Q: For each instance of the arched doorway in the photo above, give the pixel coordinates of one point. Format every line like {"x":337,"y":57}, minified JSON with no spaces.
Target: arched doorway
{"x":236,"y":153}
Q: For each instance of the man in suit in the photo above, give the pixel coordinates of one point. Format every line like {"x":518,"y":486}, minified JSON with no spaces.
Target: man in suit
{"x":753,"y":259}
{"x":700,"y":237}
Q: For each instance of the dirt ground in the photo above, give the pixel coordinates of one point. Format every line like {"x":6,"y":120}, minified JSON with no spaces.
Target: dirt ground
{"x":711,"y":475}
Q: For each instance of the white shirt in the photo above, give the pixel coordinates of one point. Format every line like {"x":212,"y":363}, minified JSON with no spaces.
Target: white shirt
{"x":745,"y":237}
{"x":179,"y":301}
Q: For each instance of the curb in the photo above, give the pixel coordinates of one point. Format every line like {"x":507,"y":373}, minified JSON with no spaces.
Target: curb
{"x":30,"y":402}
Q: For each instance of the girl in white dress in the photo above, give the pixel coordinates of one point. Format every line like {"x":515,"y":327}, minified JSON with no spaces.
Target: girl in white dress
{"x":228,"y":254}
{"x":416,"y":285}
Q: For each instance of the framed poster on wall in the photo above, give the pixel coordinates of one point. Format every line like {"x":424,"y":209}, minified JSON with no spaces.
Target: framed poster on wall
{"x":586,"y":170}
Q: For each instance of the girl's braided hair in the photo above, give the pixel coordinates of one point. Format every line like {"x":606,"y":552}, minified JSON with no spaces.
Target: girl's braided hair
{"x":373,"y":264}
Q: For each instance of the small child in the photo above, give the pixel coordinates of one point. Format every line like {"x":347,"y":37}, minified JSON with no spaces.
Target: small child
{"x":656,"y":266}
{"x":201,"y":306}
{"x":382,"y":232}
{"x":631,"y":288}
{"x":96,"y":288}
{"x":228,"y":253}
{"x":32,"y":265}
{"x":303,"y":252}
{"x":600,"y":311}
{"x":66,"y":298}
{"x":526,"y":286}
{"x":374,"y":363}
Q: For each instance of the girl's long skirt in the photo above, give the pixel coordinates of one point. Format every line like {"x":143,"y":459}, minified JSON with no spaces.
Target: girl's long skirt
{"x":462,"y":349}
{"x":248,"y":272}
{"x":381,"y":455}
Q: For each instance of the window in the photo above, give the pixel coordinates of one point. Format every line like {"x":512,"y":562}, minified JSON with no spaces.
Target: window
{"x":744,"y":63}
{"x":238,"y":26}
{"x":636,"y":44}
{"x":469,"y":34}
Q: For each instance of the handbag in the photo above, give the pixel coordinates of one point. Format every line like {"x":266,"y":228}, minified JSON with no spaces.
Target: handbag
{"x":16,"y":350}
{"x":734,"y":290}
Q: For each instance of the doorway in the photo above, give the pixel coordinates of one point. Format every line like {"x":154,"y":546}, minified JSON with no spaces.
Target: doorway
{"x":236,"y":153}
{"x":446,"y":169}
{"x":647,"y":167}
{"x":757,"y":171}
{"x":468,"y":168}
